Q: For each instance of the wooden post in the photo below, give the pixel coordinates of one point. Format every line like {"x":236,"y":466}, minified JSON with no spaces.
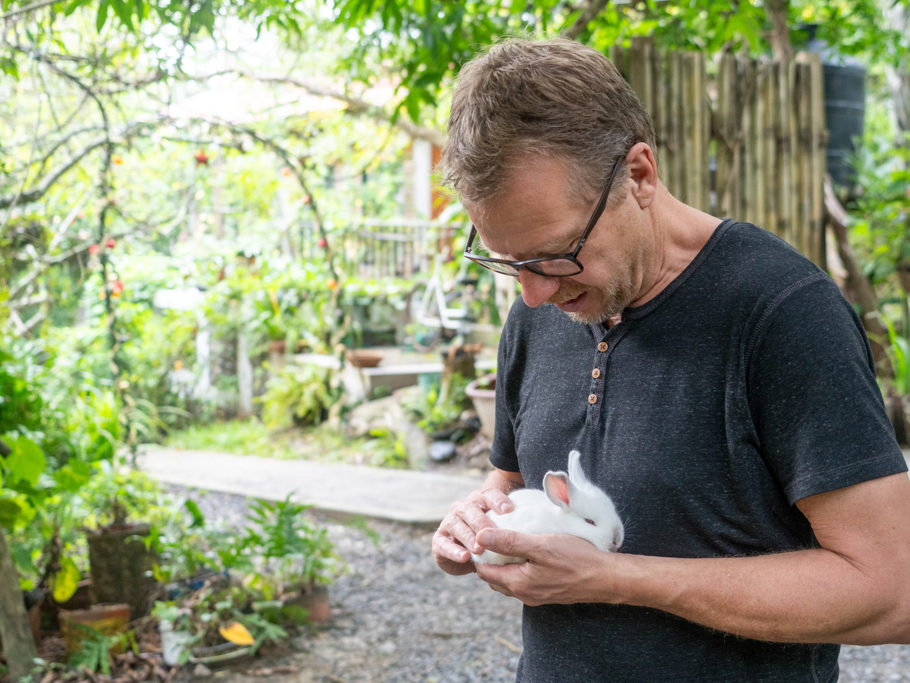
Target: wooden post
{"x":675,"y":118}
{"x":749,"y":168}
{"x":640,"y":76}
{"x":18,"y":643}
{"x":726,"y":110}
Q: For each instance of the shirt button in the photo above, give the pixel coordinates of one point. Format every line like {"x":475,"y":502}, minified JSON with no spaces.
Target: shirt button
{"x":602,"y":347}
{"x":595,"y":373}
{"x":592,"y":399}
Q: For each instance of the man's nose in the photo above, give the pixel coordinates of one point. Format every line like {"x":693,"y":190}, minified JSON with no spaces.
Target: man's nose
{"x":536,"y":289}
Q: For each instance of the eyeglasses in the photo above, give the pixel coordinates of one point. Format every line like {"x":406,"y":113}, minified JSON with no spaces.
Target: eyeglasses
{"x":562,"y":265}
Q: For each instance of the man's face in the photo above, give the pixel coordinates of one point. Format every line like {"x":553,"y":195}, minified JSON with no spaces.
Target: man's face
{"x":537,"y":216}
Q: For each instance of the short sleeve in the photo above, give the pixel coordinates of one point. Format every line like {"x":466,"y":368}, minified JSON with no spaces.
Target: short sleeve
{"x":817,"y":408}
{"x":502,"y":453}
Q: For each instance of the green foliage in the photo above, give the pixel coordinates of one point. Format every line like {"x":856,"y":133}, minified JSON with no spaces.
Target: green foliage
{"x":286,"y":551}
{"x":241,"y":437}
{"x":96,"y":648}
{"x":880,"y":220}
{"x":300,"y":395}
{"x":276,"y":554}
{"x":898,"y":352}
{"x":435,"y":412}
{"x":117,"y":495}
{"x":187,"y":545}
{"x":385,"y":449}
{"x":20,"y":403}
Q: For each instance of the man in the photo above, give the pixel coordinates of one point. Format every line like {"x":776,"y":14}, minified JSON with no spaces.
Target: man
{"x":717,"y":384}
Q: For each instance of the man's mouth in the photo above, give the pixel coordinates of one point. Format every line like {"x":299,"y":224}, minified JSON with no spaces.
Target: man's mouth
{"x":572,"y":305}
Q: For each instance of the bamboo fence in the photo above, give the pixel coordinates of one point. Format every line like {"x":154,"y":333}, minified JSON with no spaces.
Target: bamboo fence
{"x":738,"y":138}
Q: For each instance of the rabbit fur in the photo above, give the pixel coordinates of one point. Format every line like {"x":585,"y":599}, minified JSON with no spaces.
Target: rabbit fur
{"x":568,"y":504}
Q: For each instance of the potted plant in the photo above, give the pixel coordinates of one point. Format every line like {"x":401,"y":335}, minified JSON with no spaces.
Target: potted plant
{"x":190,"y":552}
{"x":121,"y":559}
{"x":291,"y":560}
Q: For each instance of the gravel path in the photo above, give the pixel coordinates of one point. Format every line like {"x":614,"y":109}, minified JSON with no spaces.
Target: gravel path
{"x":397,"y":618}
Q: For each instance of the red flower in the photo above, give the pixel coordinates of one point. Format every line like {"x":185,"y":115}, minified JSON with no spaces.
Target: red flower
{"x":202,"y":159}
{"x":111,"y":243}
{"x":93,"y":249}
{"x":117,"y":287}
{"x":321,"y":243}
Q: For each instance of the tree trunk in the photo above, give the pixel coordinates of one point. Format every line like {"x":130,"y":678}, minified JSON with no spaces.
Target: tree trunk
{"x":857,"y":290}
{"x":18,"y":643}
{"x":780,"y":32}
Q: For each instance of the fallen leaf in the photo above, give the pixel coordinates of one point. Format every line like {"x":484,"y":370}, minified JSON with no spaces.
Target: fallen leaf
{"x":236,"y":633}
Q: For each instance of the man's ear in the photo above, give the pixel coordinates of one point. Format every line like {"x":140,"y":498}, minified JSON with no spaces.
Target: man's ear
{"x":643,"y":173}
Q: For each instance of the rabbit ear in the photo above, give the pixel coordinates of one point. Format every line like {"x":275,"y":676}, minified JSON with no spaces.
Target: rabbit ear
{"x":576,"y":473}
{"x":556,"y":485}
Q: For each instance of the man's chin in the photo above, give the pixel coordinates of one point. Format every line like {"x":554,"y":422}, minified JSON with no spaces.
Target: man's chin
{"x":587,"y":317}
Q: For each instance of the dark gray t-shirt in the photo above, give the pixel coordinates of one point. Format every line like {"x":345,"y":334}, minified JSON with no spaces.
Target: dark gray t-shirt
{"x":744,"y":386}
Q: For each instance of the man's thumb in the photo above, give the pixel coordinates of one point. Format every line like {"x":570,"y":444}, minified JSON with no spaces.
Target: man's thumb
{"x":502,"y":541}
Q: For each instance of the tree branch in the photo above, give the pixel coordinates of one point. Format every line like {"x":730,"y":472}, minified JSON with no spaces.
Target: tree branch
{"x":355,"y":105}
{"x":589,"y":10}
{"x":34,"y":194}
{"x":29,"y":8}
{"x":857,"y":288}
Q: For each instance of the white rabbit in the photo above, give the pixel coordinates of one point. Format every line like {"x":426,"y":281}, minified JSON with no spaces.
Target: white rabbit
{"x":569,"y":504}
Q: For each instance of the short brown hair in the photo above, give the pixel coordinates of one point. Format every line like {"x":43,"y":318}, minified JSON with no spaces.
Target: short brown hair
{"x":556,"y":98}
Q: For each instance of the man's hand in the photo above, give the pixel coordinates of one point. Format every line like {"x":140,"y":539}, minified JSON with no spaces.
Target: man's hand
{"x":561,"y":569}
{"x":456,"y":537}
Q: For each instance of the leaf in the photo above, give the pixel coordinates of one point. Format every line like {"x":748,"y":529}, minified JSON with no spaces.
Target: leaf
{"x":10,"y":509}
{"x":236,"y":633}
{"x":26,"y":462}
{"x":73,"y":476}
{"x":101,"y":17}
{"x":195,"y":512}
{"x":123,"y":10}
{"x":66,"y":580}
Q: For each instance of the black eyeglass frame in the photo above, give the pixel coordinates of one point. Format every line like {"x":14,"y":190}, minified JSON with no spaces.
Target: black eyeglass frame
{"x":531,"y":263}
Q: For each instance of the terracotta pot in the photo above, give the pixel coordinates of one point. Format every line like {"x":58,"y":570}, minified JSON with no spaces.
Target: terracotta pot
{"x":482,"y":392}
{"x":363,"y":358}
{"x":108,"y":618}
{"x":314,"y":600}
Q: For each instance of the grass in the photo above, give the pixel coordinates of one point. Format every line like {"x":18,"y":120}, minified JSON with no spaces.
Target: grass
{"x":321,"y":443}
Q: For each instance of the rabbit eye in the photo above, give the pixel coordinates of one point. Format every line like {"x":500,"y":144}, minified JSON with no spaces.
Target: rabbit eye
{"x":591,"y":522}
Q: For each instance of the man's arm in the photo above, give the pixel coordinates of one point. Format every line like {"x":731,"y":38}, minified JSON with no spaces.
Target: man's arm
{"x":855,"y":588}
{"x":455,"y":539}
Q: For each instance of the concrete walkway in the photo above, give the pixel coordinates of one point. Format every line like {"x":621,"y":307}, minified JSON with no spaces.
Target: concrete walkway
{"x":347,"y":490}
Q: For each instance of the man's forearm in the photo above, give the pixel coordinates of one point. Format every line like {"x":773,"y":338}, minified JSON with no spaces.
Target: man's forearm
{"x":803,"y":596}
{"x":503,"y":480}
{"x":851,"y":589}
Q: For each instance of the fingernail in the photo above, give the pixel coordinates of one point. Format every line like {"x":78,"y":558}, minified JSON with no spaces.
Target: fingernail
{"x":503,"y":507}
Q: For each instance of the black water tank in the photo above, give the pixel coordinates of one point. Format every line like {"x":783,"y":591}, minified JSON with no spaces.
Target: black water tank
{"x":845,"y":107}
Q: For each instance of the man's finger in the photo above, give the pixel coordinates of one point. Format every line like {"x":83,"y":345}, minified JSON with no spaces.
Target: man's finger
{"x":451,"y":556}
{"x":505,"y":541}
{"x":497,"y":501}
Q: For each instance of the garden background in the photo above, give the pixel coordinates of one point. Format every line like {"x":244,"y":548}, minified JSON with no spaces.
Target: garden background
{"x":206,"y":208}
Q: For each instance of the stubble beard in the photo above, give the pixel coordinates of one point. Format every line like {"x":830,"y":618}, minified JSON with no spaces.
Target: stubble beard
{"x":614,"y":300}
